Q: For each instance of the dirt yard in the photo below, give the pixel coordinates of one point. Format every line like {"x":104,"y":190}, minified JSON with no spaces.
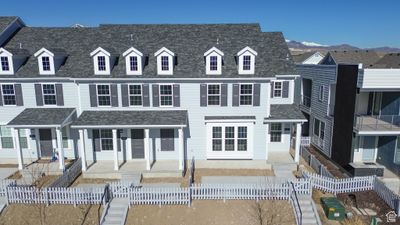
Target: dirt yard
{"x":204,"y":212}
{"x":19,"y":214}
{"x":81,"y":180}
{"x":45,"y":181}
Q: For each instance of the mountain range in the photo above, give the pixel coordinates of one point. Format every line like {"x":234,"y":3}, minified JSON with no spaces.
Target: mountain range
{"x":312,"y":46}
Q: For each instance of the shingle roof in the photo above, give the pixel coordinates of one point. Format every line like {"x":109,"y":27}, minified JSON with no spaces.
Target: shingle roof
{"x":301,"y":57}
{"x":42,"y":117}
{"x":229,"y":118}
{"x":366,"y":57}
{"x":391,"y":60}
{"x":5,"y":21}
{"x":188,"y":42}
{"x":131,"y":118}
{"x":285,"y":112}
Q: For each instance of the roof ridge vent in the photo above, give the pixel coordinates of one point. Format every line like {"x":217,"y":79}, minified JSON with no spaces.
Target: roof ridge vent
{"x":20,"y":45}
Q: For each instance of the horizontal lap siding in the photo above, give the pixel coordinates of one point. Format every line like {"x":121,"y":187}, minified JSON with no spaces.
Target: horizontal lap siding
{"x":320,"y":75}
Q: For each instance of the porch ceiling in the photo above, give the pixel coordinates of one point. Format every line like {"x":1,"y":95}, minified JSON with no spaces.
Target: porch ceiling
{"x":127,"y":119}
{"x":42,"y":117}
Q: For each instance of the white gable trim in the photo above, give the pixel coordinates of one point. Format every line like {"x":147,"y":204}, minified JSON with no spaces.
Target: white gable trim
{"x":43,"y":50}
{"x":249,"y":52}
{"x":130,"y":50}
{"x":164,"y":49}
{"x":133,"y":52}
{"x":214,"y":49}
{"x":3,"y":51}
{"x":9,"y":55}
{"x":247,"y":49}
{"x":100,"y":49}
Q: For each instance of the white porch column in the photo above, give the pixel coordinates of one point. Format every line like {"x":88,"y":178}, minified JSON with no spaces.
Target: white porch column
{"x":147,"y":148}
{"x":82,"y":145}
{"x":115,"y":148}
{"x":60,"y":148}
{"x":297,"y":145}
{"x":19,"y":149}
{"x":181,"y":148}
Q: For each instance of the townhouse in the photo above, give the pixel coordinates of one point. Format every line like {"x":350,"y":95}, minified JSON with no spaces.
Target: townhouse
{"x":146,"y":94}
{"x":311,"y":57}
{"x":351,"y":100}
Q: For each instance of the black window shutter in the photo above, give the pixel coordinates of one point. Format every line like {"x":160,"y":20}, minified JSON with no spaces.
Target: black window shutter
{"x":96,"y":140}
{"x":176,"y":93}
{"x":272,"y":89}
{"x":60,"y":95}
{"x":235,"y":95}
{"x":256,"y":95}
{"x":203,"y":95}
{"x":125,"y":95}
{"x":38,"y":93}
{"x":114,"y":95}
{"x":145,"y":93}
{"x":1,"y":95}
{"x":285,"y":89}
{"x":93,"y":95}
{"x":155,"y":95}
{"x":18,"y":95}
{"x":224,"y":94}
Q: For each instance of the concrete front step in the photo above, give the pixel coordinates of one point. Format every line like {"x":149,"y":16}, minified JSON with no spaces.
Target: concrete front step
{"x":158,"y":174}
{"x":116,"y":214}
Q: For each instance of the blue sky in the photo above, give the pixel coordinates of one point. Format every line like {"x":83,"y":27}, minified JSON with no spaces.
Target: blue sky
{"x":368,"y":23}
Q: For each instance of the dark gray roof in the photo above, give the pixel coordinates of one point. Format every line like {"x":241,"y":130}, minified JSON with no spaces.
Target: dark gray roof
{"x":366,"y":57}
{"x":391,"y":60}
{"x":132,"y":118}
{"x":229,"y":118}
{"x":301,"y":57}
{"x":188,"y":42}
{"x":5,"y":21}
{"x":18,"y":51}
{"x":42,"y":117}
{"x":286,"y":112}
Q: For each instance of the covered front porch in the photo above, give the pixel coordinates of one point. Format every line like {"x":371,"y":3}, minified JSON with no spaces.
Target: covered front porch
{"x":116,"y":143}
{"x":49,"y":133}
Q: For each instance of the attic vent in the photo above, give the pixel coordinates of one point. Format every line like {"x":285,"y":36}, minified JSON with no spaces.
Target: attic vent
{"x":217,"y":41}
{"x":20,"y":45}
{"x":131,"y":36}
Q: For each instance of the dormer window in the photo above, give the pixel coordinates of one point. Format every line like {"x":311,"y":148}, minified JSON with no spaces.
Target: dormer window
{"x":165,"y":61}
{"x":46,"y":63}
{"x":103,"y":61}
{"x":214,"y":58}
{"x":6,"y":65}
{"x":246,"y":61}
{"x":133,"y":61}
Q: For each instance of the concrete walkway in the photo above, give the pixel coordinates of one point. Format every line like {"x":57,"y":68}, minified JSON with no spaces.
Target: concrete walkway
{"x":284,"y":170}
{"x":6,"y":172}
{"x":116,"y":213}
{"x":253,"y":180}
{"x":3,"y":204}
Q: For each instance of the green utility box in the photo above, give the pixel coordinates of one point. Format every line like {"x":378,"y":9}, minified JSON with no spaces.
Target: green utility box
{"x":333,"y":209}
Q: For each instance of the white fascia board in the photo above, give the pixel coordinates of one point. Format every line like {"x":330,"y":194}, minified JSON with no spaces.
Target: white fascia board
{"x":124,"y":126}
{"x":33,"y":126}
{"x":247,"y":49}
{"x":286,"y":76}
{"x":132,"y":49}
{"x":2,"y":50}
{"x":100,"y":49}
{"x":164,"y":49}
{"x":41,"y":51}
{"x":378,"y":133}
{"x":231,"y":121}
{"x":214,"y":49}
{"x":284,"y":120}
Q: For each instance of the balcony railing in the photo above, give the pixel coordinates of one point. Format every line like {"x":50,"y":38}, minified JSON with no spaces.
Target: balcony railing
{"x":377,"y":123}
{"x":306,"y":101}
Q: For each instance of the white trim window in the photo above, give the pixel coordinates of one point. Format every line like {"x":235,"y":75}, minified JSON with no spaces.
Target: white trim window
{"x":277,"y":89}
{"x":8,"y":92}
{"x":319,"y":128}
{"x":216,"y":138}
{"x":46,"y":63}
{"x":7,"y":140}
{"x":166,"y":95}
{"x":276,"y":132}
{"x":321,"y":93}
{"x":106,"y":140}
{"x":101,"y":63}
{"x":246,"y":60}
{"x":5,"y":63}
{"x":213,"y":63}
{"x":246,"y":94}
{"x":133,"y":61}
{"x":135,"y":95}
{"x":397,"y":151}
{"x":214,"y":60}
{"x":49,"y":94}
{"x":103,"y":95}
{"x":213,"y":94}
{"x":165,"y":61}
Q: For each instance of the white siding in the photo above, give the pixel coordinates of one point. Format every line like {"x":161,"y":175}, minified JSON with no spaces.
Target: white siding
{"x":380,"y":79}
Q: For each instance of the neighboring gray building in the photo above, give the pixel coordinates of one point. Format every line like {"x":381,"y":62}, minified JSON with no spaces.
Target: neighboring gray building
{"x":311,"y":57}
{"x":148,"y":95}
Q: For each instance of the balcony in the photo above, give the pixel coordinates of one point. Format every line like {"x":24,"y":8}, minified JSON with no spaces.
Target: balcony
{"x":381,"y":123}
{"x":306,"y":101}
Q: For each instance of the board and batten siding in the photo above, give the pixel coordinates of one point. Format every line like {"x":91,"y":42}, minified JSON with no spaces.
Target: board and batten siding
{"x":320,"y":75}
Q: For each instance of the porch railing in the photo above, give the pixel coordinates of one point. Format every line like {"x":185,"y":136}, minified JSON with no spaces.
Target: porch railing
{"x":377,"y":122}
{"x":305,"y":141}
{"x":306,"y":101}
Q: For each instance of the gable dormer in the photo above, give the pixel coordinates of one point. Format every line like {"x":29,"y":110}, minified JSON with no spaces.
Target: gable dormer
{"x":6,"y":62}
{"x":165,"y":61}
{"x":214,"y":59}
{"x":246,"y":61}
{"x":103,"y":61}
{"x":49,"y":61}
{"x":134,"y":61}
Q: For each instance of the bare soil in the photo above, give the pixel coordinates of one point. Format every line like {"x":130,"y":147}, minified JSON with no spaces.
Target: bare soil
{"x":19,"y":214}
{"x":8,"y":166}
{"x":332,"y":168}
{"x":81,"y":180}
{"x":15,"y":176}
{"x":208,"y":212}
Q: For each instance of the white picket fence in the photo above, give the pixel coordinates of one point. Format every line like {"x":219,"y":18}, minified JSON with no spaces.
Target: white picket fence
{"x":159,"y":195}
{"x":315,"y":163}
{"x":4,"y":184}
{"x":69,"y":175}
{"x":391,"y":198}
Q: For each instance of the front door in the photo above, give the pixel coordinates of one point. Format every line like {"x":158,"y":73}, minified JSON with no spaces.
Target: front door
{"x":137,"y":143}
{"x":46,"y":143}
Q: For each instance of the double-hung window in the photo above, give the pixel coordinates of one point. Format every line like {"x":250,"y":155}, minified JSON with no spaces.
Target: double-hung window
{"x":246,"y":62}
{"x":65,"y":139}
{"x":276,"y":132}
{"x":213,"y":94}
{"x":135,"y":95}
{"x":6,"y":137}
{"x":133,"y":63}
{"x":166,"y":95}
{"x":229,"y":138}
{"x":46,"y":63}
{"x":8,"y":92}
{"x":164,"y":63}
{"x":106,"y":140}
{"x":321,"y":93}
{"x":101,"y":63}
{"x":103,"y":95}
{"x":242,"y":139}
{"x":319,"y":128}
{"x":246,"y":94}
{"x":49,"y":94}
{"x":213,"y":63}
{"x":277,"y":89}
{"x":217,"y":138}
{"x":5,"y":64}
